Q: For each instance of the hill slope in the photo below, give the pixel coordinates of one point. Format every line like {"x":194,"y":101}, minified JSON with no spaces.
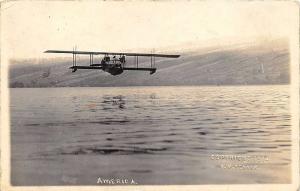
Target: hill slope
{"x":233,"y":65}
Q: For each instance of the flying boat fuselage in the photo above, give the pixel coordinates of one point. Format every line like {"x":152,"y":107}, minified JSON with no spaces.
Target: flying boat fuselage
{"x":113,"y":69}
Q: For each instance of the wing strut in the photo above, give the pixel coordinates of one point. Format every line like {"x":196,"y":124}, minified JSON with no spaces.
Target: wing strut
{"x":152,"y":61}
{"x":137,"y":61}
{"x":74,"y":60}
{"x":91,"y":60}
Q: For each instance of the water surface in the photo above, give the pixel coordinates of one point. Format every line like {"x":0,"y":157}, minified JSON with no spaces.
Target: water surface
{"x":154,"y":135}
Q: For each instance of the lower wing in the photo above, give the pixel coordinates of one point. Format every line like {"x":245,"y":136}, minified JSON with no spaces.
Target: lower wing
{"x":152,"y":70}
{"x":85,"y":67}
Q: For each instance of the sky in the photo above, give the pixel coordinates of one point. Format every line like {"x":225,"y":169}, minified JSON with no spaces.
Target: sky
{"x":31,"y":27}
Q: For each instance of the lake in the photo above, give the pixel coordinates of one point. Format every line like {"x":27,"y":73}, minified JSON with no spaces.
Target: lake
{"x":151,"y":135}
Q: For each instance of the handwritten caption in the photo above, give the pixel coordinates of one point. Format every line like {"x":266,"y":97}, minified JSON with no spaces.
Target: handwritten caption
{"x":116,"y":181}
{"x":239,"y":162}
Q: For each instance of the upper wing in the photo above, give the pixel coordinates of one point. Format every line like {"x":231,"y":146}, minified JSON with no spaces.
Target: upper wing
{"x":113,"y":53}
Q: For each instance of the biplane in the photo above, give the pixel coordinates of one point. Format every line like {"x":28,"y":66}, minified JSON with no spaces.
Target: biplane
{"x":113,"y":62}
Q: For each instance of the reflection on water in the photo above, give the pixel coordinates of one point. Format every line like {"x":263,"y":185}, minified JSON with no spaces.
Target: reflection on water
{"x":113,"y":101}
{"x":156,"y":135}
